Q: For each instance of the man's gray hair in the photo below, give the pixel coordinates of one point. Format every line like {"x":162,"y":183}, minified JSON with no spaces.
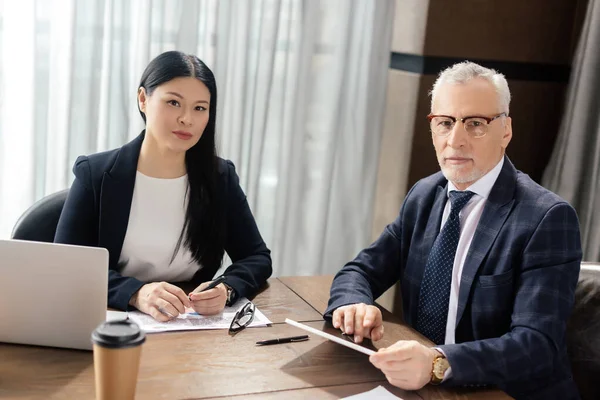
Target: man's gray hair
{"x":465,"y":71}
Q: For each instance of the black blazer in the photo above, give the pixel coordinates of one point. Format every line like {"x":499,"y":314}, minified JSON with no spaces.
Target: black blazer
{"x":96,"y":213}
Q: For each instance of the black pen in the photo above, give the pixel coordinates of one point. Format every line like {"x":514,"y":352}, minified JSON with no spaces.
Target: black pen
{"x":212,"y":285}
{"x":283,"y":340}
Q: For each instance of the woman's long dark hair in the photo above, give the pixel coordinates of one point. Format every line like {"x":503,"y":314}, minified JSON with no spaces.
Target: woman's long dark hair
{"x":204,"y":228}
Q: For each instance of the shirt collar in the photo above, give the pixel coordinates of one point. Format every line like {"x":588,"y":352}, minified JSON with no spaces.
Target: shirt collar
{"x":482,"y":186}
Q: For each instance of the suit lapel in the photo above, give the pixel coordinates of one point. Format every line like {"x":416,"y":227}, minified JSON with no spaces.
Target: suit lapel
{"x":497,"y":208}
{"x":426,"y":243}
{"x":116,"y":194}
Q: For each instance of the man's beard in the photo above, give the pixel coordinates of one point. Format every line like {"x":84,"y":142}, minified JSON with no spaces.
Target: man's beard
{"x":453,"y":174}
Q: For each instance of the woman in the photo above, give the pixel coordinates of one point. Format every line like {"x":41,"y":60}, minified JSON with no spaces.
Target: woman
{"x":164,"y":205}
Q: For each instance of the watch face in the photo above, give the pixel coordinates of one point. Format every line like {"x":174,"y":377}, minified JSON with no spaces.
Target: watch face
{"x":229,"y":294}
{"x":440,"y":367}
{"x":437,"y":371}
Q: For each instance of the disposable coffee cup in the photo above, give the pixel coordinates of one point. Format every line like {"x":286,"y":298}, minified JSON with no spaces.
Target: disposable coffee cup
{"x":117,"y":351}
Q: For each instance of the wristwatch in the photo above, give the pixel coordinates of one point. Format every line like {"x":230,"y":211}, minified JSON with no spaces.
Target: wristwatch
{"x":439,"y":368}
{"x":230,"y":294}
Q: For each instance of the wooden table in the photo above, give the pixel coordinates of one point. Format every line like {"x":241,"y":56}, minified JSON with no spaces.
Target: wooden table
{"x":213,"y":364}
{"x":315,"y":291}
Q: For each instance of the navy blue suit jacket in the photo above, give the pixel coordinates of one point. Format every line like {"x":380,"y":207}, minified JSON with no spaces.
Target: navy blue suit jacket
{"x":516,"y":290}
{"x":96,"y":213}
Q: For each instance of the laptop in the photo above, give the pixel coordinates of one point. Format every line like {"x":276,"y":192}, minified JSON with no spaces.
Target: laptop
{"x":51,"y":294}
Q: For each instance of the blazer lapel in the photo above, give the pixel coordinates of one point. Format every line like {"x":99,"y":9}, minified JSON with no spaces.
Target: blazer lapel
{"x":497,"y":208}
{"x":416,"y":267}
{"x":116,"y":194}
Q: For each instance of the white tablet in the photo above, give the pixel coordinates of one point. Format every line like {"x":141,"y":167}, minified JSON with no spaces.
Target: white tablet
{"x":343,"y":342}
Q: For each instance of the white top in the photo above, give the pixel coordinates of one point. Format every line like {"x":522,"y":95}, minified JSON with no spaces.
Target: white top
{"x":469,"y":218}
{"x":155,"y":224}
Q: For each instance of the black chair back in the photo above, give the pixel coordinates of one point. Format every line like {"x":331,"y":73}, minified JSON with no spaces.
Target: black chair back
{"x":583,"y":332}
{"x":39,"y":222}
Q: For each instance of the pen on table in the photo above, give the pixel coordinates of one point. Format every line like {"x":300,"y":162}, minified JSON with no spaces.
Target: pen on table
{"x":283,"y":340}
{"x":212,"y":285}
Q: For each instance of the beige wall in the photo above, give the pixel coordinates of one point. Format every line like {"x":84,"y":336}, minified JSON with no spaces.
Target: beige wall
{"x":410,"y":21}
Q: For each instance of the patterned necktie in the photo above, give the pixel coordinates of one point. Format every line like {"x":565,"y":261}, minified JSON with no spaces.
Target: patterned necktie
{"x":434,"y":295}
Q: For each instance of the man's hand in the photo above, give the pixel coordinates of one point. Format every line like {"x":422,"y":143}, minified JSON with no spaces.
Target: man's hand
{"x":161,"y":300}
{"x":406,"y":364}
{"x":360,"y":320}
{"x":209,"y":302}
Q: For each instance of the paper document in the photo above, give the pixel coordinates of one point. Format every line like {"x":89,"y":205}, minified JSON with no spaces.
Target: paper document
{"x":115,"y":315}
{"x":379,"y":393}
{"x":194,"y":321}
{"x":336,"y":339}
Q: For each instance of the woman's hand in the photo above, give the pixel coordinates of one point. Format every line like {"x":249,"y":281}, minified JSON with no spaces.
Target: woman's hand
{"x":161,"y":300}
{"x":209,"y":302}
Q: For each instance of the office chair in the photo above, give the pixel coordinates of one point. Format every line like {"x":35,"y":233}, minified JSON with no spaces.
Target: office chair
{"x":583,"y":332}
{"x":39,"y":222}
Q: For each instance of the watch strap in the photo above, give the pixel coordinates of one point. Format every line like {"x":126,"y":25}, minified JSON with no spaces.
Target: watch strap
{"x":230,"y":295}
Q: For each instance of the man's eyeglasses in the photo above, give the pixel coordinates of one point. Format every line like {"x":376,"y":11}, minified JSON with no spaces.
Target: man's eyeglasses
{"x":476,"y":126}
{"x":242,"y":318}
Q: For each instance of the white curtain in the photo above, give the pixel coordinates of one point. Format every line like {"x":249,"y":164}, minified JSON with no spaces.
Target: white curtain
{"x":301,"y":87}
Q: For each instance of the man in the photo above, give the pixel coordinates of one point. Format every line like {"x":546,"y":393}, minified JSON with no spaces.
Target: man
{"x":487,"y":259}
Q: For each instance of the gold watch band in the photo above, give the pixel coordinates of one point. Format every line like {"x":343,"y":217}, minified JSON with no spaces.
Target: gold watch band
{"x":439,"y":366}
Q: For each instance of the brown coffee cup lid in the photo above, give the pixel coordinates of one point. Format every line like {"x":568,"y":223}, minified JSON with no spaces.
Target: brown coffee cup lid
{"x":118,"y":334}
